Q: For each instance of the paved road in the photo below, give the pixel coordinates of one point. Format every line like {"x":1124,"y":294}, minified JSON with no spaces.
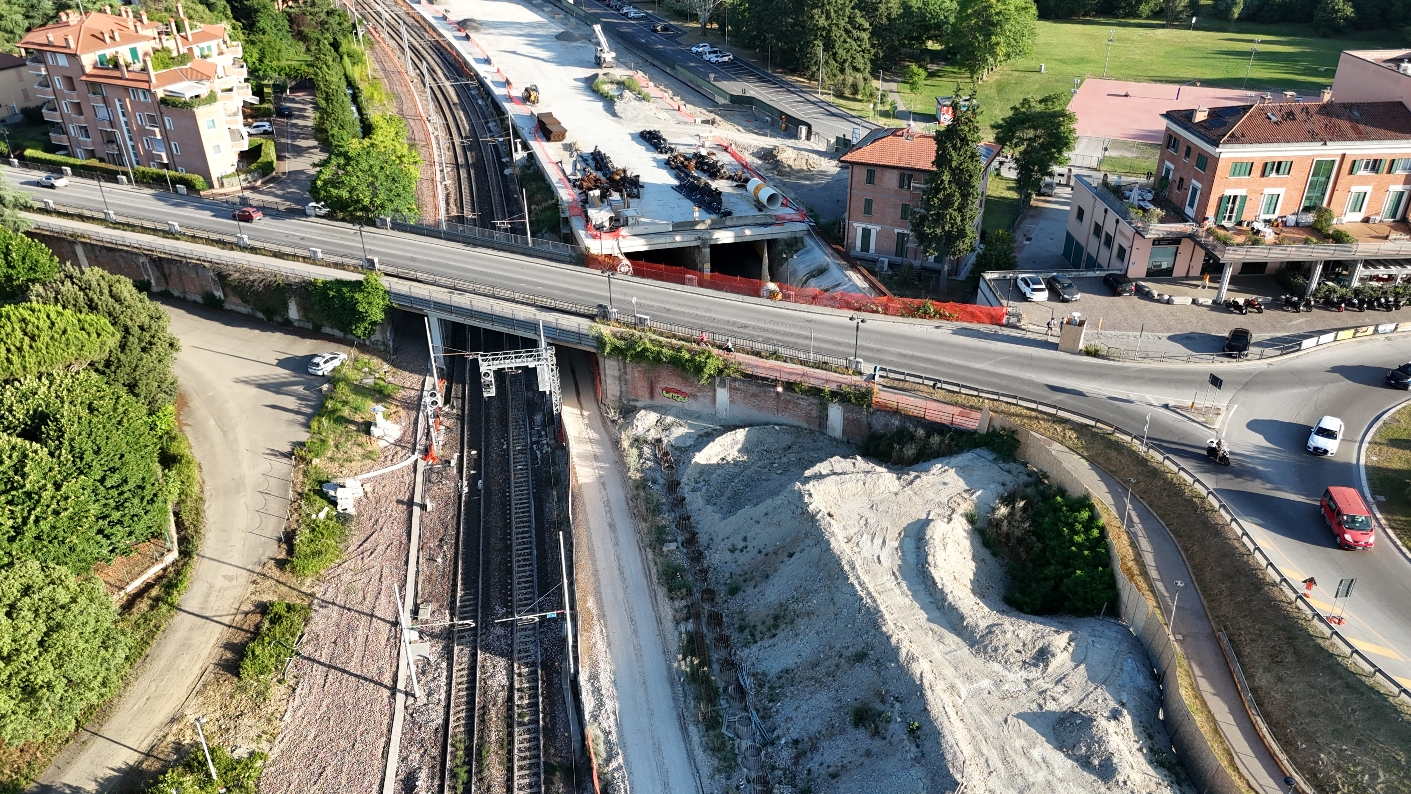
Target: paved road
{"x":247,"y":401}
{"x":1273,"y":485}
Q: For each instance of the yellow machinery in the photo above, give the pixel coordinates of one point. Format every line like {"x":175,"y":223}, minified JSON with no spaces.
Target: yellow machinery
{"x":531,"y":95}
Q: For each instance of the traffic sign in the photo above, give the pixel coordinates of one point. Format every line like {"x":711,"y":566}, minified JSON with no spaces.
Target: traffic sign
{"x":1216,"y":381}
{"x":1344,"y":588}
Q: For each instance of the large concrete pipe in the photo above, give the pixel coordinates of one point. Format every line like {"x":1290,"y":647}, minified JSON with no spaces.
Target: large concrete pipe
{"x":768,"y":197}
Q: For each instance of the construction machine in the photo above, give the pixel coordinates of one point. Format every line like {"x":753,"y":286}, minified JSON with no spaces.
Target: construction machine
{"x":531,"y":95}
{"x":606,"y":58}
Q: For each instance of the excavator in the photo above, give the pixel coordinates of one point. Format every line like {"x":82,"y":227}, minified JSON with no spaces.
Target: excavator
{"x":531,"y":95}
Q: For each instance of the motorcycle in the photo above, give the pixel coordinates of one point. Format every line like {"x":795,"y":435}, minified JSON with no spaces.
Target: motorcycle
{"x":1359,"y":304}
{"x":1335,"y":304}
{"x":1216,"y":450}
{"x":1306,"y":305}
{"x":1397,"y":303}
{"x":1253,"y":304}
{"x":1236,"y":306}
{"x":1290,"y":303}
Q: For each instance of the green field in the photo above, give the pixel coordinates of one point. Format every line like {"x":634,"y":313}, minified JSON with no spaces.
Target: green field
{"x":1290,"y":58}
{"x":1001,"y":205}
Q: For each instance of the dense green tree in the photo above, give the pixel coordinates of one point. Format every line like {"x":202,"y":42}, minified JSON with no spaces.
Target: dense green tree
{"x":1176,"y":11}
{"x":835,"y":26}
{"x":990,"y":32}
{"x":998,"y":253}
{"x":1062,"y":564}
{"x":18,"y":17}
{"x":945,"y":225}
{"x":141,"y":362}
{"x":1333,"y":16}
{"x":236,"y":775}
{"x":44,"y":515}
{"x":36,"y":337}
{"x":96,"y":432}
{"x":357,"y":307}
{"x":23,"y":262}
{"x":270,"y":47}
{"x":915,"y":78}
{"x":367,"y":177}
{"x":61,"y":650}
{"x":12,"y":203}
{"x":1039,"y":133}
{"x":1228,"y":9}
{"x":334,"y":122}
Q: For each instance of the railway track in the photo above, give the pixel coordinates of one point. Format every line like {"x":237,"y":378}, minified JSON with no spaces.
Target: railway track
{"x":474,"y":139}
{"x":463,"y":690}
{"x":526,"y":755}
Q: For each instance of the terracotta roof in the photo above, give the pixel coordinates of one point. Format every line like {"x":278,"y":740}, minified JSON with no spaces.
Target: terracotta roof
{"x":81,"y":35}
{"x":196,"y":71}
{"x":8,"y":61}
{"x":1296,"y":122}
{"x":891,"y":148}
{"x":207,"y":33}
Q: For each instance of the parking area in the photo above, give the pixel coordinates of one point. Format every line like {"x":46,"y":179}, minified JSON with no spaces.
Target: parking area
{"x":297,"y":151}
{"x":1132,"y":322}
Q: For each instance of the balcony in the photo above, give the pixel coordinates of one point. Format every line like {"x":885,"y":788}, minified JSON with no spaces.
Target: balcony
{"x":111,"y":147}
{"x":59,"y":138}
{"x":1304,"y":244}
{"x":51,"y":113}
{"x":44,"y":90}
{"x":36,"y":66}
{"x":237,"y":69}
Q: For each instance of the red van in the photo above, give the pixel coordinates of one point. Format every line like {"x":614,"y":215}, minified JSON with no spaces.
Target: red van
{"x":1349,"y":517}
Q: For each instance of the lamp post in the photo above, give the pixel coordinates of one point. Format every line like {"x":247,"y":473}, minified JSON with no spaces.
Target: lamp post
{"x":610,"y":274}
{"x":1128,"y":508}
{"x":1172,"y":622}
{"x":364,"y":243}
{"x":1111,"y":35}
{"x":1253,"y":49}
{"x":857,"y":334}
{"x":101,"y":192}
{"x":1195,"y":83}
{"x":1144,"y":429}
{"x":209,"y":764}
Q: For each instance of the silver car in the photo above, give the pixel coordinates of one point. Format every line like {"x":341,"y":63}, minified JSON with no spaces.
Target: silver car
{"x":325,"y":363}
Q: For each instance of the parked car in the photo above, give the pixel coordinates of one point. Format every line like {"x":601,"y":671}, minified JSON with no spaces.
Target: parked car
{"x":1047,"y":188}
{"x":1066,"y":291}
{"x":247,"y":214}
{"x":1325,"y":436}
{"x":1119,"y":284}
{"x":1400,"y":378}
{"x":662,"y":27}
{"x":697,"y":49}
{"x":262,"y":128}
{"x":324,"y":363}
{"x":720,"y":57}
{"x":316,"y":209}
{"x":1032,"y":287}
{"x":633,"y":13}
{"x":53,"y":181}
{"x":1237,"y":343}
{"x":1347,"y":515}
{"x":284,"y":111}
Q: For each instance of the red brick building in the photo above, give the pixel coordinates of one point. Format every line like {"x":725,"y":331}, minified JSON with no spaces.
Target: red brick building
{"x":887,"y":173}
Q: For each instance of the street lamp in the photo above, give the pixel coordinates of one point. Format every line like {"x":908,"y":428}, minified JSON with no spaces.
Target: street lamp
{"x":209,"y":764}
{"x":1195,"y":83}
{"x":102,"y":193}
{"x":1111,"y":35}
{"x":1128,"y":508}
{"x":610,"y":274}
{"x":1144,"y":429}
{"x":857,"y":334}
{"x":1172,"y":622}
{"x":1253,"y":49}
{"x":364,"y":243}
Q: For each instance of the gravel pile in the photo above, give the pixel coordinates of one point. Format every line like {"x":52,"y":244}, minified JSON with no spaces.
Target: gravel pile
{"x":870,"y":620}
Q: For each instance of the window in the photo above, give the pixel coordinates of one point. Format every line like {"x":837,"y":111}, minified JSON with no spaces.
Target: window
{"x":1080,"y":214}
{"x":904,"y":180}
{"x":133,"y":55}
{"x":1122,"y":254}
{"x":1318,"y":182}
{"x":61,"y":59}
{"x":175,"y":149}
{"x":73,"y":108}
{"x":83,"y":131}
{"x":902,"y":240}
{"x":1188,"y":153}
{"x":211,"y":124}
{"x":1395,"y":203}
{"x":1366,"y":167}
{"x":101,"y":111}
{"x":155,"y":145}
{"x":103,"y":60}
{"x":871,"y":177}
{"x":1269,"y":205}
{"x":1097,"y":229}
{"x":1356,"y":202}
{"x":139,"y":94}
{"x":95,"y":89}
{"x":1173,"y":144}
{"x":1230,"y":210}
{"x":906,"y":212}
{"x":1400,"y":166}
{"x":864,"y":240}
{"x":167,"y":119}
{"x":1107,"y":241}
{"x":1193,"y":198}
{"x":215,"y":148}
{"x":1240,"y":169}
{"x":179,"y":169}
{"x":866,"y":203}
{"x":1277,"y":168}
{"x":1201,"y":162}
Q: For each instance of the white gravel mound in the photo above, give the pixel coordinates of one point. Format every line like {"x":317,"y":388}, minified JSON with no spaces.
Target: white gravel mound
{"x":870,"y":619}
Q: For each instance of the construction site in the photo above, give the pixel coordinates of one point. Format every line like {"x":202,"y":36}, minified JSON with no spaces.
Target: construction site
{"x":639,"y":175}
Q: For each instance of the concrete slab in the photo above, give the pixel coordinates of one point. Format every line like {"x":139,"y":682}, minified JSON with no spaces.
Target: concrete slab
{"x":1040,"y":231}
{"x":1132,"y":111}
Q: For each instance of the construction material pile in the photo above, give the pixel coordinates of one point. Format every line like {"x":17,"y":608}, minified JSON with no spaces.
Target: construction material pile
{"x":657,"y":141}
{"x":896,"y":665}
{"x":602,"y":178}
{"x":699,"y":190}
{"x":788,"y":157}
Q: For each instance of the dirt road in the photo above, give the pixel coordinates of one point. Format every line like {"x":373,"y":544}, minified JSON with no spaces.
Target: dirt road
{"x":248,"y":401}
{"x":649,"y":732}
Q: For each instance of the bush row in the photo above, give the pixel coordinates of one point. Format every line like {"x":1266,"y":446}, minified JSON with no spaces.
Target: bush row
{"x":147,"y":176}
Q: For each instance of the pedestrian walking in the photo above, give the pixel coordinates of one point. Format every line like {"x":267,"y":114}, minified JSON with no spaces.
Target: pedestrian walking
{"x":1049,"y":332}
{"x":1205,"y":281}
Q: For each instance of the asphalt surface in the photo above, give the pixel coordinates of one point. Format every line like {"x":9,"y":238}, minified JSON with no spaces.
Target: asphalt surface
{"x":247,"y":401}
{"x":1273,"y":485}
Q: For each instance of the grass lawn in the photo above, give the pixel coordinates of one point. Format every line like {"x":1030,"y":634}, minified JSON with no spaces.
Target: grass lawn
{"x":1141,"y":162}
{"x":1001,"y":205}
{"x":1216,"y":53}
{"x":29,"y":136}
{"x":1389,"y":472}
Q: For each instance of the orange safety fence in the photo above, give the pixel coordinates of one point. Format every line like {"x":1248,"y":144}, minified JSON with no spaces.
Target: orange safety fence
{"x":847,"y":301}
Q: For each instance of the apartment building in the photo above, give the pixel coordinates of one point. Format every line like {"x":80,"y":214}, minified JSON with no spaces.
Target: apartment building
{"x":129,"y":91}
{"x":887,"y":173}
{"x":19,"y":87}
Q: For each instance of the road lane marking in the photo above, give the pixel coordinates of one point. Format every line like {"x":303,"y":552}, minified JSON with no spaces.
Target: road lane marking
{"x":1379,"y":650}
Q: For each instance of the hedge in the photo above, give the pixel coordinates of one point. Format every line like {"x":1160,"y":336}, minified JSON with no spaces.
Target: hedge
{"x":264,"y":166}
{"x":265,"y":111}
{"x":190,"y":104}
{"x":144,"y":175}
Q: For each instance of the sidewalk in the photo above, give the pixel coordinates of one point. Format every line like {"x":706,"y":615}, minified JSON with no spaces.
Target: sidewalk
{"x":1193,"y":631}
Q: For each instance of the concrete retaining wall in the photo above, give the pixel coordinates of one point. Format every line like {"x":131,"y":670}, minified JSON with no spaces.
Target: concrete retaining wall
{"x":1191,"y":746}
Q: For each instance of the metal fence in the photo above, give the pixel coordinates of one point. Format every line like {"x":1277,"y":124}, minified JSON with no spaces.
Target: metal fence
{"x":1237,"y":525}
{"x":1305,"y":342}
{"x":489,"y":238}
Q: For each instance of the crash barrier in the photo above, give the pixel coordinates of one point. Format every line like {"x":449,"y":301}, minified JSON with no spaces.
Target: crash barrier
{"x":1302,"y":342}
{"x":845,"y":301}
{"x":1236,"y":525}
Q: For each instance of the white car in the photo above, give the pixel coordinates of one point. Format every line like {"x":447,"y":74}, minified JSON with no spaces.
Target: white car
{"x":635,"y":14}
{"x":720,"y":57}
{"x":1325,"y":436}
{"x":697,"y":49}
{"x":1032,"y":287}
{"x":53,"y":180}
{"x":262,"y":128}
{"x":316,"y":209}
{"x":325,"y":363}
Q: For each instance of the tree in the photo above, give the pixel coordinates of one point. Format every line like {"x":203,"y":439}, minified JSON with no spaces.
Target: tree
{"x":367,"y":177}
{"x":44,"y":516}
{"x":1175,"y":11}
{"x":915,"y":78}
{"x":12,"y":203}
{"x":1228,"y":9}
{"x":18,"y":17}
{"x":950,"y":202}
{"x":141,"y":361}
{"x":357,"y":307}
{"x":101,"y":436}
{"x":61,"y":650}
{"x":998,"y":253}
{"x":991,"y":32}
{"x":702,"y":10}
{"x":334,"y":122}
{"x":23,"y":262}
{"x":1333,"y":16}
{"x":37,"y":338}
{"x":1039,"y":133}
{"x":270,"y":47}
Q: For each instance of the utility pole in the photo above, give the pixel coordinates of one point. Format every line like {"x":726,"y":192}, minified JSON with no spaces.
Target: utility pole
{"x":402,"y":629}
{"x":209,"y":765}
{"x":524,"y":198}
{"x":406,"y":47}
{"x":820,"y":71}
{"x":567,"y":610}
{"x":437,"y":161}
{"x":1253,"y":49}
{"x":1111,"y":34}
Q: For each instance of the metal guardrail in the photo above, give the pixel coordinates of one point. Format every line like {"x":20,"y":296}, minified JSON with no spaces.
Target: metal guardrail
{"x":505,"y":241}
{"x":1269,"y":567}
{"x":1306,"y":342}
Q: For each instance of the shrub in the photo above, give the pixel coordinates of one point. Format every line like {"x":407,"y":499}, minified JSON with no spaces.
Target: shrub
{"x":1341,"y":237}
{"x":163,"y":59}
{"x":190,"y":104}
{"x":35,"y":338}
{"x":24,"y":262}
{"x":150,"y":176}
{"x":237,"y":775}
{"x":264,"y":164}
{"x":357,"y":307}
{"x":213,"y":300}
{"x":318,"y":542}
{"x":701,"y":361}
{"x":1323,"y":220}
{"x":1056,"y":548}
{"x":909,"y":444}
{"x":274,"y":641}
